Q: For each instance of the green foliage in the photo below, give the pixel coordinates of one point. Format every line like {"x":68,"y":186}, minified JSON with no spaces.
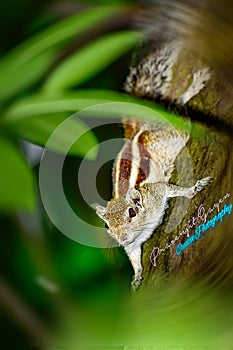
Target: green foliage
{"x":39,"y":96}
{"x":16,"y":181}
{"x":37,"y":93}
{"x":35,"y":115}
{"x":25,"y":64}
{"x":16,"y":79}
{"x":90,"y":60}
{"x":37,"y":129}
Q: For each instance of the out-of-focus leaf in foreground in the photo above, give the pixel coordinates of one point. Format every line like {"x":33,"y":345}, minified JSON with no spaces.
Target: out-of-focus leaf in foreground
{"x":91,"y":59}
{"x":70,"y":102}
{"x":14,"y":80}
{"x":66,"y":129}
{"x":35,"y":119}
{"x":16,"y":180}
{"x":37,"y":116}
{"x":26,"y":63}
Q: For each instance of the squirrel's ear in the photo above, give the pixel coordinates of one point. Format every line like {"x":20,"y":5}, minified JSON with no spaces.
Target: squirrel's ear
{"x":100,"y":211}
{"x":134,"y":197}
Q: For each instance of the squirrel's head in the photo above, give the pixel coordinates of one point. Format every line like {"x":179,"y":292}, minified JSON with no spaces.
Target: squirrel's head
{"x":124,"y":216}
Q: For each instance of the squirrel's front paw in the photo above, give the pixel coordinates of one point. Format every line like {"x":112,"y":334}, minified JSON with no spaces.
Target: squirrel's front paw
{"x":201,"y":184}
{"x":200,"y":77}
{"x":137,"y":281}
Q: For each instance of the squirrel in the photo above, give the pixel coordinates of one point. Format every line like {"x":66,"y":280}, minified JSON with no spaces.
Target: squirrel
{"x":144,"y":166}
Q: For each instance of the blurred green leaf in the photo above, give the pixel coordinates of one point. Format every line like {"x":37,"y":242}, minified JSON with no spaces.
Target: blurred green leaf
{"x":90,"y":60}
{"x":39,"y":128}
{"x":57,"y":33}
{"x":26,"y":63}
{"x":16,"y":180}
{"x":40,"y":104}
{"x":13,"y":80}
{"x":37,"y":117}
{"x":79,"y":260}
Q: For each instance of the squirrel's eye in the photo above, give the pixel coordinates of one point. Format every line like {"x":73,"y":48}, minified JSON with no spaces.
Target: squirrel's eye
{"x":106,"y":226}
{"x":132,"y":213}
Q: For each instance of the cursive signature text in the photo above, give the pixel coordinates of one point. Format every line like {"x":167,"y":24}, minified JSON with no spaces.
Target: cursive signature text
{"x":201,"y":219}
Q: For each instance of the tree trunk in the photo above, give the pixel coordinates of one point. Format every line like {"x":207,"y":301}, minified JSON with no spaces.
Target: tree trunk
{"x":208,"y":153}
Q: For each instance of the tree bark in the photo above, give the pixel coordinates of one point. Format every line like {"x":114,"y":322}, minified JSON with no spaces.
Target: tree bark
{"x":210,"y":151}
